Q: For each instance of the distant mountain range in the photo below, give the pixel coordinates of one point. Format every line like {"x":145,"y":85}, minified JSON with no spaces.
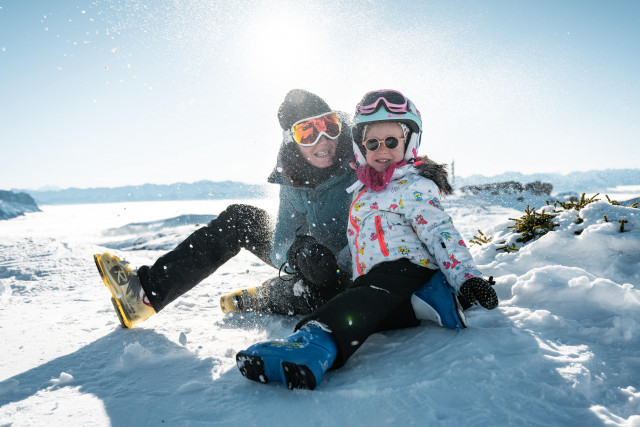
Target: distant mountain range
{"x":201,"y":190}
{"x":588,"y":181}
{"x":578,"y":182}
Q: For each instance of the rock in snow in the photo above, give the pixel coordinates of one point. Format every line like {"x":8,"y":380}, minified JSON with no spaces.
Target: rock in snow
{"x":16,"y":204}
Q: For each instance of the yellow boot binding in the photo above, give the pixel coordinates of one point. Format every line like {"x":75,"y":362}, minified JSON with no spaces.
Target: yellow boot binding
{"x":128,"y":297}
{"x":249,"y":299}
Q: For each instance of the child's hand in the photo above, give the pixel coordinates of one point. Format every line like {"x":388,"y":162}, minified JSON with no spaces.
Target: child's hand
{"x":478,"y":289}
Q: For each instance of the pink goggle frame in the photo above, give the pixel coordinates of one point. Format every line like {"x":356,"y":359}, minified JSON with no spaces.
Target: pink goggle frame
{"x":394,"y":101}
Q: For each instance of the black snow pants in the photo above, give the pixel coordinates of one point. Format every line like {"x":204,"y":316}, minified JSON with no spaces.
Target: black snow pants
{"x":377,"y":301}
{"x":205,"y":250}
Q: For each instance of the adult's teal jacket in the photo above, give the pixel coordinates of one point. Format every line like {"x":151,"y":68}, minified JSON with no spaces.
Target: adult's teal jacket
{"x":321,"y":212}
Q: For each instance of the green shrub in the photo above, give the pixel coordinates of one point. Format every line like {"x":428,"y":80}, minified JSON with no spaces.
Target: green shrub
{"x":481,"y":239}
{"x":533,"y":224}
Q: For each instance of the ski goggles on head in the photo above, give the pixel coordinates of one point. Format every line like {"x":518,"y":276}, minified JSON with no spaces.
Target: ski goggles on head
{"x":307,"y":132}
{"x":394,"y":102}
{"x":391,"y":142}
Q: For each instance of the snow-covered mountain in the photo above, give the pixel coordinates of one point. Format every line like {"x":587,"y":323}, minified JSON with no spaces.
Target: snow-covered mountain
{"x":560,"y":349}
{"x":16,"y":204}
{"x":587,"y":181}
{"x":201,"y":190}
{"x":574,"y":182}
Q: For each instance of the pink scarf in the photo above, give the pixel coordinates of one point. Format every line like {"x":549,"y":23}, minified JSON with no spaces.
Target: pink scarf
{"x":377,"y":181}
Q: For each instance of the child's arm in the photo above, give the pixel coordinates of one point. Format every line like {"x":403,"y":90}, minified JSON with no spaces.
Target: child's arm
{"x":435,"y":229}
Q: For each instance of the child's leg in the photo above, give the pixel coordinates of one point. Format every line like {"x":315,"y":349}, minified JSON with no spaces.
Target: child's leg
{"x":437,"y":301}
{"x":347,"y":320}
{"x":433,"y":301}
{"x":402,"y":317}
{"x":358,"y":312}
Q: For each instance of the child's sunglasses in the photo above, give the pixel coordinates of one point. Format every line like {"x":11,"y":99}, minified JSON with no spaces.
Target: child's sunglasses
{"x":394,"y":101}
{"x":391,"y":142}
{"x":307,"y":132}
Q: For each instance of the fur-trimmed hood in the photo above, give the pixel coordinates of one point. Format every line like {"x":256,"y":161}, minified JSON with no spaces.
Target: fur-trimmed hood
{"x":436,"y":172}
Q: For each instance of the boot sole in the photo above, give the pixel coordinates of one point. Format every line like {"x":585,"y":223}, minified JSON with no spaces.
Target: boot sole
{"x":117,"y":309}
{"x":459,"y":312}
{"x":252,"y":367}
{"x":114,"y":300}
{"x":296,"y":376}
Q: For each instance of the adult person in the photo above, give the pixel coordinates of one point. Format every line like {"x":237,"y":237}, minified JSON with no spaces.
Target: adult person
{"x":307,"y":239}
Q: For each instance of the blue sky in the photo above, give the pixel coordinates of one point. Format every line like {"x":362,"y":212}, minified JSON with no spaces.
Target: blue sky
{"x":110,"y":93}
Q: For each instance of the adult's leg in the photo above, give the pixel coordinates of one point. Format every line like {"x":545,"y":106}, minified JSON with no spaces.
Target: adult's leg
{"x":292,"y":295}
{"x":206,"y":249}
{"x":360,"y":311}
{"x":315,"y":279}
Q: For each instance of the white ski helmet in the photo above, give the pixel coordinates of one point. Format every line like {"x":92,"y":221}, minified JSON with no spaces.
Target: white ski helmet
{"x":381,"y":106}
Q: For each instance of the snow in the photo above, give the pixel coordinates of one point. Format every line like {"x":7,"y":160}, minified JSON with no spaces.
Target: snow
{"x":561,"y":348}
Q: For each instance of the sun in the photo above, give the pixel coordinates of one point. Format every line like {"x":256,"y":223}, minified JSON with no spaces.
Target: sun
{"x":280,"y":42}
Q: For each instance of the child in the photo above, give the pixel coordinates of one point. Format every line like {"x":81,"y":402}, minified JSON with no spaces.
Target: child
{"x":399,"y":238}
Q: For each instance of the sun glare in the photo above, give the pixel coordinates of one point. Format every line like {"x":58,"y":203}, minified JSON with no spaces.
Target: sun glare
{"x":280,"y":41}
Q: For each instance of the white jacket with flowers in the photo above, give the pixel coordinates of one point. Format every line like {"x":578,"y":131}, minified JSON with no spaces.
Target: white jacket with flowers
{"x":405,"y":220}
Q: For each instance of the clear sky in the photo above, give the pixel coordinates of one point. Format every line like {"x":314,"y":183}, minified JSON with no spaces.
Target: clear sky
{"x":110,"y":93}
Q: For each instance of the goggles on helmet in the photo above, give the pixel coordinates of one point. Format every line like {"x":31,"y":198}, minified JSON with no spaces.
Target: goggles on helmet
{"x":307,"y":132}
{"x":394,"y":102}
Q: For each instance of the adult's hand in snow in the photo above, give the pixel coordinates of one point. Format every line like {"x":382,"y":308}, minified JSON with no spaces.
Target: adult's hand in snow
{"x":315,"y":262}
{"x":478,"y":289}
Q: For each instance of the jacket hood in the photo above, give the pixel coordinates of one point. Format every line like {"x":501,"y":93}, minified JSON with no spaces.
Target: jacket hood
{"x":436,"y":172}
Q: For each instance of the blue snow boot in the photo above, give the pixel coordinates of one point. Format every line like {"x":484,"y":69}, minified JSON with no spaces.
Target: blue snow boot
{"x":299,"y":360}
{"x":437,"y":301}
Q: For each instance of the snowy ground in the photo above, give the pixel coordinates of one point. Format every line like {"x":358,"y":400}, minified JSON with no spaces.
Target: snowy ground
{"x":561,"y":349}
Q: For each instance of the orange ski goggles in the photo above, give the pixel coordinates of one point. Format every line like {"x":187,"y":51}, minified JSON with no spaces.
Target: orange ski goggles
{"x":307,"y":132}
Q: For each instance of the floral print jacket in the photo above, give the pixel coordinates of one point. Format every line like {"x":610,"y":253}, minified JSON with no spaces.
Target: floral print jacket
{"x":405,"y":220}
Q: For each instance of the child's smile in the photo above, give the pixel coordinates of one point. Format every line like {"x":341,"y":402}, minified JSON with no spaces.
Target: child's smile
{"x":382,"y":158}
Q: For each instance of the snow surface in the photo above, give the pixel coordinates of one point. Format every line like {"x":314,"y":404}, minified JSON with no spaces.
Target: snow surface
{"x":561,"y":349}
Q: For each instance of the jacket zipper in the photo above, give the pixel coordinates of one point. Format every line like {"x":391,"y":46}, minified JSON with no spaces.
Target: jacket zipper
{"x":380,"y":233}
{"x":355,"y":226}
